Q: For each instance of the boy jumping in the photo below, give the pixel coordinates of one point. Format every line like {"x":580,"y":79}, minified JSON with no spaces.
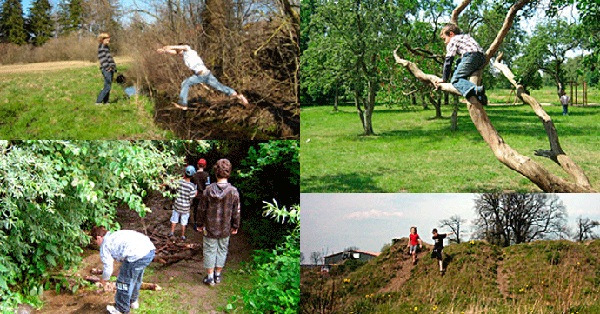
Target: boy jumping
{"x":471,"y":60}
{"x":438,"y":248}
{"x":201,"y":75}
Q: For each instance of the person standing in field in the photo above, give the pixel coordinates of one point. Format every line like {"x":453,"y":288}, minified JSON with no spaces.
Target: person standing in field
{"x":136,"y":252}
{"x":219,"y":219}
{"x":107,"y":66}
{"x":414,"y":240}
{"x":564,"y":100}
{"x":202,"y":75}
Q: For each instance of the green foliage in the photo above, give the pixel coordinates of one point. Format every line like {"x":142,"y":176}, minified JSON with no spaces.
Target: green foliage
{"x":276,"y":273}
{"x":70,"y":16}
{"x":52,"y":191}
{"x":40,"y":23}
{"x":11,"y":22}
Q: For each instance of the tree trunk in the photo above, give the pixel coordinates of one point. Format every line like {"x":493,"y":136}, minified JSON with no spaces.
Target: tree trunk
{"x":335,"y":99}
{"x":369,"y":106}
{"x":357,"y":97}
{"x":454,"y":120}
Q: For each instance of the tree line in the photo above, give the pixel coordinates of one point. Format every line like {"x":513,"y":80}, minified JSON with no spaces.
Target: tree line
{"x":45,"y":21}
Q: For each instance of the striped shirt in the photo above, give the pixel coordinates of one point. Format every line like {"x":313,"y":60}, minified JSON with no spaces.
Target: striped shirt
{"x":123,"y":245}
{"x":185,"y":192}
{"x":461,"y":44}
{"x":106,"y":60}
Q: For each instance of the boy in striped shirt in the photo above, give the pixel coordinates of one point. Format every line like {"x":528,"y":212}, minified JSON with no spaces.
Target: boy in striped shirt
{"x":186,"y":191}
{"x":471,"y":59}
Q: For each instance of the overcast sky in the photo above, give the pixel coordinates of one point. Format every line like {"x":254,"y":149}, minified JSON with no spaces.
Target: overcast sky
{"x":332,"y":222}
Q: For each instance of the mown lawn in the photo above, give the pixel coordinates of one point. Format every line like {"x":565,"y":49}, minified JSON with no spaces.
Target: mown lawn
{"x":414,"y":153}
{"x":61,"y":105}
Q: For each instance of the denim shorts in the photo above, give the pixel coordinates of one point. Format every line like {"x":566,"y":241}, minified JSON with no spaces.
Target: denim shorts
{"x":413,"y":248}
{"x":184,"y":218}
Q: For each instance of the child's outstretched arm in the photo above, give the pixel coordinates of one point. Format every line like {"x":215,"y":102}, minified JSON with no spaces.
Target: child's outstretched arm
{"x":172,"y":50}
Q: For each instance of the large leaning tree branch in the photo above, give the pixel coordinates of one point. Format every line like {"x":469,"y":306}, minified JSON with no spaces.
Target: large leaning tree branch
{"x":524,"y":165}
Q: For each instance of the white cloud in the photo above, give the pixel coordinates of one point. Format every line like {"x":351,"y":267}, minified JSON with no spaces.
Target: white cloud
{"x":373,"y":213}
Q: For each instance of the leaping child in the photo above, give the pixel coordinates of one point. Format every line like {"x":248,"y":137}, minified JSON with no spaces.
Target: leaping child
{"x":202,"y":75}
{"x":414,"y":241}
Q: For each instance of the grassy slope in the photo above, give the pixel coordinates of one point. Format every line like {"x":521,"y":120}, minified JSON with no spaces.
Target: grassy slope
{"x":61,"y":105}
{"x":540,"y":277}
{"x":414,"y":153}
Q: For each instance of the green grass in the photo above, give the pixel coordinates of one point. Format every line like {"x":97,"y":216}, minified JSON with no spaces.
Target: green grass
{"x":411,"y":152}
{"x":61,"y":105}
{"x":480,"y":278}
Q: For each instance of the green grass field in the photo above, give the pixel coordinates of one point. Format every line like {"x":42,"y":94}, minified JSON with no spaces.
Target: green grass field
{"x":411,"y":152}
{"x":61,"y":105}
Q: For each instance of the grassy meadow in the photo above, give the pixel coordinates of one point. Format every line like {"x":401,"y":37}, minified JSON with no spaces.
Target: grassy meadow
{"x":543,"y":277}
{"x":413,"y":152}
{"x":60,"y":104}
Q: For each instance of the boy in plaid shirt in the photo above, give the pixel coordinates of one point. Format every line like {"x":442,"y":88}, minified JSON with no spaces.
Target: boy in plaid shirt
{"x":471,"y":59}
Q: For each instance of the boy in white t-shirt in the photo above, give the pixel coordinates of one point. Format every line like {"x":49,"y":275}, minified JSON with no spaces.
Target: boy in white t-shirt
{"x":564,"y":101}
{"x":202,"y":75}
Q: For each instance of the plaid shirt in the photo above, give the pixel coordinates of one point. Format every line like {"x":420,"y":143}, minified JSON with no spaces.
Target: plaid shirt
{"x":461,"y":44}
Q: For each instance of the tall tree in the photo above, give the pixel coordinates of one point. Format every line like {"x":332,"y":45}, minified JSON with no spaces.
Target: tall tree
{"x":70,"y":16}
{"x":454,"y":223}
{"x":12,"y":24}
{"x":584,"y":229}
{"x":40,"y":25}
{"x":354,"y":34}
{"x":513,"y":218}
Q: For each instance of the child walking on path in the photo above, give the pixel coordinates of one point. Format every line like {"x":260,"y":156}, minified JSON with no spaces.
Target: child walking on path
{"x":471,"y":60}
{"x":564,"y":101}
{"x":201,"y":75}
{"x":438,"y":248}
{"x":414,"y":241}
{"x":201,"y":179}
{"x":181,"y":208}
{"x":219,"y":219}
{"x":136,"y":251}
{"x":107,"y":66}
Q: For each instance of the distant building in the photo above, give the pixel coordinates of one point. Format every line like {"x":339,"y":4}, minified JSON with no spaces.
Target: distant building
{"x":338,"y":258}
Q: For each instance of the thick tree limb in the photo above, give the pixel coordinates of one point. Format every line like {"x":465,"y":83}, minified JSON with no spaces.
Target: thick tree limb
{"x":508,"y":21}
{"x":458,"y":10}
{"x":503,"y":152}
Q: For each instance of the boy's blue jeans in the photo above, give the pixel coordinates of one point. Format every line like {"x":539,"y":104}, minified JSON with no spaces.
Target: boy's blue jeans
{"x":469,"y":63}
{"x":105,"y":93}
{"x":129,"y":282}
{"x":207,"y":79}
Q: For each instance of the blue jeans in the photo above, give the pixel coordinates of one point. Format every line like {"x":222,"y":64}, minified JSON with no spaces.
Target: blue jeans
{"x":129,"y":282}
{"x":105,"y":92}
{"x":565,"y":110}
{"x":469,"y":63}
{"x":207,"y":79}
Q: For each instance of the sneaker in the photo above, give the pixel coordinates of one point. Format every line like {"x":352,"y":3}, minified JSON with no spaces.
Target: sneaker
{"x":182,"y":237}
{"x":217,"y":278}
{"x":209,"y":281}
{"x":135,"y":305}
{"x":483,"y":99}
{"x":112,"y":310}
{"x":170,"y":234}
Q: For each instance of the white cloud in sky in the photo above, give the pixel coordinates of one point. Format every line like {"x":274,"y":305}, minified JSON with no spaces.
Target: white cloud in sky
{"x":373,"y":213}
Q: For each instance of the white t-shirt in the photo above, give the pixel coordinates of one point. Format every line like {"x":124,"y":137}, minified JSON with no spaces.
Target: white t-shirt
{"x":193,"y":61}
{"x":564,"y":100}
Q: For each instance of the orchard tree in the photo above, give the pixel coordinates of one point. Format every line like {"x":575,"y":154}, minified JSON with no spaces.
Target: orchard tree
{"x":12,"y":27}
{"x":512,"y":218}
{"x":525,"y":165}
{"x":354,"y":35}
{"x":40,"y":24}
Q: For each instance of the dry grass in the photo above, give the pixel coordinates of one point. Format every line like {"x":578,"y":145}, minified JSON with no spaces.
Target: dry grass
{"x":66,"y":48}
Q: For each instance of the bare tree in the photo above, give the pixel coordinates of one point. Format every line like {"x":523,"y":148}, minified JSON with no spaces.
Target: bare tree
{"x":316,"y":257}
{"x":512,"y":218}
{"x":454,"y":223}
{"x":351,"y":248}
{"x":526,"y":166}
{"x":584,"y":229}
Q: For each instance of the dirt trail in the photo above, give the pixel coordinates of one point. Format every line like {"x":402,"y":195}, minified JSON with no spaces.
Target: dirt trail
{"x":184,"y":276}
{"x":502,"y":279}
{"x":53,"y":66}
{"x":402,"y":275}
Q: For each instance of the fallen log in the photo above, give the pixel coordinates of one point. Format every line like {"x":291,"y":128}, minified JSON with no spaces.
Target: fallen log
{"x":145,"y":285}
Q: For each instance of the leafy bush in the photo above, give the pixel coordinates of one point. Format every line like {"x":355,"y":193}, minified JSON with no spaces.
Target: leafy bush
{"x":52,"y":191}
{"x":277,"y":272}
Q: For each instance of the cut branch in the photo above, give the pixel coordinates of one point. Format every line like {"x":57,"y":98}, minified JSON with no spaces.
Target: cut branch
{"x":145,"y":285}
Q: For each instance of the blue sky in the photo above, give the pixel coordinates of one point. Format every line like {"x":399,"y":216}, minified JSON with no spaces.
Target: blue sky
{"x":332,"y":222}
